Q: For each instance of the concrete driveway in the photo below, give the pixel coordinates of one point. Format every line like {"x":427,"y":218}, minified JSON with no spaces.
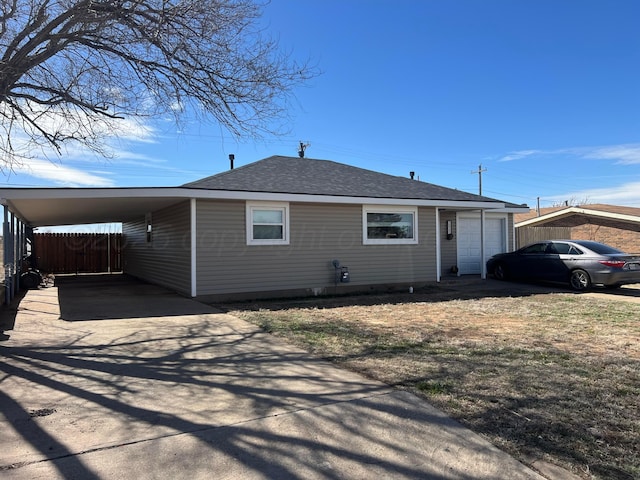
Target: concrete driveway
{"x":104,"y":377}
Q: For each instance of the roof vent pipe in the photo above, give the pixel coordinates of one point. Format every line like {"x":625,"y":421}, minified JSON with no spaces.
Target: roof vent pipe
{"x":231,"y":159}
{"x":412,"y":174}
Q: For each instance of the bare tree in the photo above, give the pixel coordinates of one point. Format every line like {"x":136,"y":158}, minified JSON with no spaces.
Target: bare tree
{"x":69,"y":69}
{"x":572,"y":202}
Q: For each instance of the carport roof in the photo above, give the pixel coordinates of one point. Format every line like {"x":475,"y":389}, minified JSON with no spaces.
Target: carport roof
{"x":70,"y":206}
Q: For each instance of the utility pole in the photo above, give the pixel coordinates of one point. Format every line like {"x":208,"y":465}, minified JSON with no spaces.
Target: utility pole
{"x":479,"y":172}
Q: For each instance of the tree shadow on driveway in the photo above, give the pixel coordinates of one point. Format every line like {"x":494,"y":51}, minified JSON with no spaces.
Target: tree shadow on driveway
{"x":203,"y":395}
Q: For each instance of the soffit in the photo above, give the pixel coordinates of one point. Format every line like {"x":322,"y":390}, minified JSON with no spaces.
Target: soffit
{"x":43,"y":208}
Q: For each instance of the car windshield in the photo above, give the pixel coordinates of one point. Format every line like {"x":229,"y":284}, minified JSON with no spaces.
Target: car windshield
{"x":600,"y":248}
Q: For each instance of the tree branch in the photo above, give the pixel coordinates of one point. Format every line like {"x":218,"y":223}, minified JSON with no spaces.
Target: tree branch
{"x":114,"y":58}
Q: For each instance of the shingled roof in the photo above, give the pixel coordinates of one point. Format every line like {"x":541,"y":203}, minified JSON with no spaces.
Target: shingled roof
{"x":294,"y":175}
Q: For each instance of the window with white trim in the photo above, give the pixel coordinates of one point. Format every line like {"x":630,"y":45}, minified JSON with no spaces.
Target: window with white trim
{"x":389,"y":225}
{"x":267,"y":223}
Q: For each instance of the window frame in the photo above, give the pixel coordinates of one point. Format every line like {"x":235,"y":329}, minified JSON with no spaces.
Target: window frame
{"x":366,"y":209}
{"x":282,"y":207}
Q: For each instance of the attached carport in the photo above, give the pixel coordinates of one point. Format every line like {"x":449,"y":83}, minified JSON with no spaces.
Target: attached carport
{"x":28,"y":208}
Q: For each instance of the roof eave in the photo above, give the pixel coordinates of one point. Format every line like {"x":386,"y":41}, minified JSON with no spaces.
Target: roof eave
{"x":567,"y":212}
{"x":8,"y":194}
{"x":311,"y":198}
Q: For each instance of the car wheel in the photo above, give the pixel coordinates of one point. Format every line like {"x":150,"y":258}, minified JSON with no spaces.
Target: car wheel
{"x":500,"y":272}
{"x":580,"y":280}
{"x":30,"y":280}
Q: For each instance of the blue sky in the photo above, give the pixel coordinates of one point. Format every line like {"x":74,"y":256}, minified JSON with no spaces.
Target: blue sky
{"x":544,"y":94}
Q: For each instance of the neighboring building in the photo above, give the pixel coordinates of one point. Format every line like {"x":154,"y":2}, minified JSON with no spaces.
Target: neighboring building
{"x":614,"y":225}
{"x":287,"y":226}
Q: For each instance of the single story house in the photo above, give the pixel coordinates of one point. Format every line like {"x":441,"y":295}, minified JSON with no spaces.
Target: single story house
{"x":615,"y":225}
{"x":283,"y":226}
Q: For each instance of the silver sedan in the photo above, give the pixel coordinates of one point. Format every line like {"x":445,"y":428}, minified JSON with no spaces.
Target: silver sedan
{"x":580,"y":263}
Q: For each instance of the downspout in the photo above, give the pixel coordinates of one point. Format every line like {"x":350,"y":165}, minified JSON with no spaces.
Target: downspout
{"x":194,"y":243}
{"x":438,"y":248}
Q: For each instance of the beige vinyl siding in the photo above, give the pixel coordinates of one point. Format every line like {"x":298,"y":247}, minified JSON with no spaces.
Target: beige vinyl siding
{"x":511,"y":229}
{"x":319,"y":234}
{"x":166,"y":259}
{"x":448,"y":248}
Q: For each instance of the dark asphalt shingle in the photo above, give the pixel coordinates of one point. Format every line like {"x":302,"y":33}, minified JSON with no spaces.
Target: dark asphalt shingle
{"x":296,"y":175}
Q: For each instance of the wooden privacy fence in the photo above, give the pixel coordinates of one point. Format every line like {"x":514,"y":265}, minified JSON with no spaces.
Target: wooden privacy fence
{"x":527,"y":235}
{"x":78,"y":252}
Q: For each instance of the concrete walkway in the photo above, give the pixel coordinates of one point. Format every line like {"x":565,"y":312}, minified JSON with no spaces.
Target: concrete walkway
{"x":107,"y":378}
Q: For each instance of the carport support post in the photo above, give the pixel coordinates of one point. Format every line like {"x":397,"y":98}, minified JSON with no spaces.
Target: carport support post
{"x":483,"y":260}
{"x":11,"y":250}
{"x":20,"y":249}
{"x":438,"y":248}
{"x":15,"y":251}
{"x":13,"y":261}
{"x":193,"y":245}
{"x":6,"y":256}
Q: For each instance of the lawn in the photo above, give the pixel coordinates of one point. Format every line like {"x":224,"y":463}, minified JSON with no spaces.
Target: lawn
{"x":544,"y":375}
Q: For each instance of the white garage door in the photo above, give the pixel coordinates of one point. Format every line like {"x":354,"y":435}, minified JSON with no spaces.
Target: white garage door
{"x":469,"y":250}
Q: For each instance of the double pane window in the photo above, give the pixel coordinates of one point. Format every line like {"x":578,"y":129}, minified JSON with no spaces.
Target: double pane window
{"x":389,"y":225}
{"x":267,"y":224}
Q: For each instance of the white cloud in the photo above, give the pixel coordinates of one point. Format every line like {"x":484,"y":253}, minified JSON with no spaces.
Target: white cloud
{"x":518,"y":155}
{"x":76,"y":164}
{"x":62,"y":175}
{"x":581,"y":168}
{"x":624,"y":154}
{"x":628,"y":154}
{"x":627,"y":194}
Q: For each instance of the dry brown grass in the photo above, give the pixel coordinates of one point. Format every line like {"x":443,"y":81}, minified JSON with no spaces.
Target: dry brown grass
{"x":541,"y":374}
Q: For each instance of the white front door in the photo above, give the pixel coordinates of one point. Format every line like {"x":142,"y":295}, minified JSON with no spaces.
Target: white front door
{"x":469,"y":241}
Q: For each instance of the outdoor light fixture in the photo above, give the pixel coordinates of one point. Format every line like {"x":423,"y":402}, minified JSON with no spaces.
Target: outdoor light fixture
{"x":449,"y":230}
